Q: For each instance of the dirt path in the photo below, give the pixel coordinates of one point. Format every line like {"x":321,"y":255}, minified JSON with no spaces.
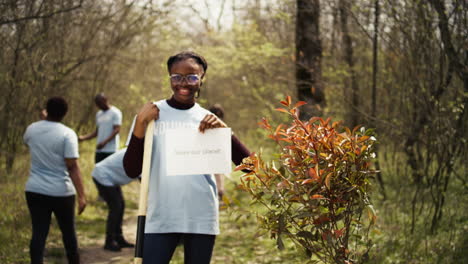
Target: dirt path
{"x":95,"y":254}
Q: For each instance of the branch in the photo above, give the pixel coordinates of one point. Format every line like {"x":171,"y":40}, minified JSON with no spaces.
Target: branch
{"x":218,"y":21}
{"x":40,"y":16}
{"x":459,"y":67}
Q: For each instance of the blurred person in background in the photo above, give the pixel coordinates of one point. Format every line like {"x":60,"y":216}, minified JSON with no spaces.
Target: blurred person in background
{"x":54,"y":180}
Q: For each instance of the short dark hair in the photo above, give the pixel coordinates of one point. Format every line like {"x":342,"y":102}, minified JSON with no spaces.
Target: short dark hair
{"x":57,"y":107}
{"x":187,"y":55}
{"x":100,"y":96}
{"x":218,"y":110}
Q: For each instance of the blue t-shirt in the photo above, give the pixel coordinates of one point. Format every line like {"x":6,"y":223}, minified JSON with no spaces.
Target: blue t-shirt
{"x":179,"y":204}
{"x":49,"y":144}
{"x":110,"y":171}
{"x":105,"y":122}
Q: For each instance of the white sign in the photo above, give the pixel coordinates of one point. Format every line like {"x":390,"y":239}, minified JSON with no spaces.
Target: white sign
{"x":190,"y":152}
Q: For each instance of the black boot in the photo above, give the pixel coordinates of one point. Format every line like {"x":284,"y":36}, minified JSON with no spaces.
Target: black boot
{"x":73,"y":258}
{"x":123,"y":243}
{"x":111,"y":244}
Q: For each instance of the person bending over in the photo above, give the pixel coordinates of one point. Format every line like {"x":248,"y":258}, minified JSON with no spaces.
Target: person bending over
{"x":109,"y":176}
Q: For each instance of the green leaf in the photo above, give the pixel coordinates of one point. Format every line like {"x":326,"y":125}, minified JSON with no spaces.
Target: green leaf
{"x":226,"y":200}
{"x":340,"y":210}
{"x":304,"y":215}
{"x":371,"y":213}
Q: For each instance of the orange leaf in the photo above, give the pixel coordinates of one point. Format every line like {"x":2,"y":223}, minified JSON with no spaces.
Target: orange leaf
{"x":248,"y":178}
{"x":356,"y":128}
{"x":348,"y":131}
{"x":363,"y":138}
{"x":264,"y":123}
{"x":327,"y":180}
{"x":322,"y":219}
{"x":314,"y":119}
{"x":284,"y":103}
{"x":300,"y":103}
{"x":339,"y":232}
{"x":325,"y":123}
{"x":313,"y":175}
{"x":288,"y":99}
{"x":282,"y":185}
{"x":282,"y":110}
{"x":325,"y":235}
{"x":296,"y":198}
{"x":307,"y":181}
{"x":240,"y":167}
{"x":278,"y":128}
{"x":317,"y":196}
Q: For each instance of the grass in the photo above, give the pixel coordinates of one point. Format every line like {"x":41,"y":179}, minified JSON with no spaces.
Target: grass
{"x":239,"y":241}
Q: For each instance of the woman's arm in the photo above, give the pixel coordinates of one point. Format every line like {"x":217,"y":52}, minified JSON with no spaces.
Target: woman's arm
{"x":75,"y":175}
{"x":238,"y":150}
{"x":133,"y":159}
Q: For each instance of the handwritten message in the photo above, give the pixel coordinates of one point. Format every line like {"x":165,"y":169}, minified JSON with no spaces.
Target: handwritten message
{"x":190,"y":152}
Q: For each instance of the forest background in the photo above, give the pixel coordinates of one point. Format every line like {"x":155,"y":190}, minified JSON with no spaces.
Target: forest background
{"x":399,"y":66}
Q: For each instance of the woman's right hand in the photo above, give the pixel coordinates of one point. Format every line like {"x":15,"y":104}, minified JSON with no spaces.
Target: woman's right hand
{"x":148,"y":112}
{"x":81,"y":204}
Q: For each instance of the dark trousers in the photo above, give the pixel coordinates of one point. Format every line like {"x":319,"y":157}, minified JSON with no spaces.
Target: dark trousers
{"x":114,"y":199}
{"x":41,"y":208}
{"x":99,"y":156}
{"x":159,"y":248}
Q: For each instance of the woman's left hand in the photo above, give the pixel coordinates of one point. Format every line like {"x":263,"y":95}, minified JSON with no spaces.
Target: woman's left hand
{"x":210,"y":121}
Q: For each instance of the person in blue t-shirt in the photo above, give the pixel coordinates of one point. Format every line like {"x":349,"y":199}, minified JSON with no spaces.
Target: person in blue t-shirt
{"x":108,"y":122}
{"x":180,"y":208}
{"x":54,"y":179}
{"x":109,"y":175}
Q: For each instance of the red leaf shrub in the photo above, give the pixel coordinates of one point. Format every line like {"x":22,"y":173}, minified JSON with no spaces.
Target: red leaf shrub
{"x":316,"y":188}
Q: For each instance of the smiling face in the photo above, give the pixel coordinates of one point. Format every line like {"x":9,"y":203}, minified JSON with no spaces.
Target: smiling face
{"x":184,"y":92}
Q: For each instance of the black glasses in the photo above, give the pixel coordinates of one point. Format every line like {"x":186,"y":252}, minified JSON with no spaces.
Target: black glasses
{"x":189,"y":78}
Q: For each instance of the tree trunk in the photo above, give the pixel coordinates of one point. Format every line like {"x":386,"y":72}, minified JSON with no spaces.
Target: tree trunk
{"x":375,"y":68}
{"x":309,"y":58}
{"x":353,"y":115}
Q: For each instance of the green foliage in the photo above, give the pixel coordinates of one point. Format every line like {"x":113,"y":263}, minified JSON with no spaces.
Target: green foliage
{"x":316,"y":188}
{"x":120,"y":48}
{"x":16,"y":225}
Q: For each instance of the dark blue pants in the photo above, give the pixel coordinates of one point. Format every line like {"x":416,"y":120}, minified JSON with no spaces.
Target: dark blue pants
{"x":159,"y":248}
{"x":41,"y":208}
{"x":115,"y":202}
